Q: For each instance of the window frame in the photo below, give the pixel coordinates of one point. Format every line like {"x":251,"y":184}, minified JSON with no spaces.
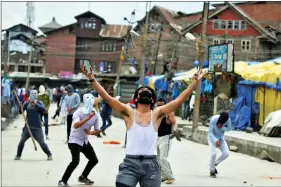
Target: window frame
{"x":232,"y":41}
{"x":218,"y":24}
{"x":245,"y":45}
{"x":108,"y":46}
{"x":216,"y":39}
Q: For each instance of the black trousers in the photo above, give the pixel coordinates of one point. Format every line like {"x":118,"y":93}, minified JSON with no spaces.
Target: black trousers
{"x":75,"y":150}
{"x":57,"y":113}
{"x":69,"y":123}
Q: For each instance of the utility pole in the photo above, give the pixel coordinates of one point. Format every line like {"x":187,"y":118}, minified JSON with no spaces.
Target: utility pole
{"x":122,"y":58}
{"x":122,"y":55}
{"x":202,"y":45}
{"x":174,"y":53}
{"x":141,"y":75}
{"x":6,"y":62}
{"x":157,"y":49}
{"x":29,"y":66}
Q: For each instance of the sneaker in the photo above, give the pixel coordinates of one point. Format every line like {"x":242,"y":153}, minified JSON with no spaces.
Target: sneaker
{"x":61,"y":183}
{"x":50,"y":157}
{"x":85,"y":180}
{"x":99,"y":136}
{"x":216,"y":171}
{"x":47,"y":138}
{"x":164,"y":179}
{"x":213,"y":174}
{"x":170,"y":181}
{"x":17,"y":158}
{"x":103,"y":133}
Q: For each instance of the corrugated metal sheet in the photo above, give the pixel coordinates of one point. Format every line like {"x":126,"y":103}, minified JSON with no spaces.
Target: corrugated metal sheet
{"x":114,"y":31}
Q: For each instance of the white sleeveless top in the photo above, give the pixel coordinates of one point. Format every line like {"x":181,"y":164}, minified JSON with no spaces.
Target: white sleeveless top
{"x":142,"y":140}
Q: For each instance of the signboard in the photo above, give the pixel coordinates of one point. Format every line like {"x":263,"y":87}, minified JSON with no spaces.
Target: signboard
{"x":221,"y":58}
{"x":66,"y":75}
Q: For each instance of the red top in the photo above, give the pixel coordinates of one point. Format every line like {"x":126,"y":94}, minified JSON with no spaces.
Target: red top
{"x":24,"y":97}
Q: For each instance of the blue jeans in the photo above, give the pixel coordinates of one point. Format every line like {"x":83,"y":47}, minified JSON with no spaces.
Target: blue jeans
{"x":184,"y":110}
{"x":38,"y":136}
{"x":104,"y":120}
{"x":46,"y":123}
{"x":16,"y":112}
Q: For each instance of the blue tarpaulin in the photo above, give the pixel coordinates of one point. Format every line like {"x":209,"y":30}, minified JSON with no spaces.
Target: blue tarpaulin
{"x":246,"y":98}
{"x":265,"y":84}
{"x":205,"y":63}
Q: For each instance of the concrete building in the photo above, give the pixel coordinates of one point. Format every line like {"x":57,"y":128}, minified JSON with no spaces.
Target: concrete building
{"x":18,"y":41}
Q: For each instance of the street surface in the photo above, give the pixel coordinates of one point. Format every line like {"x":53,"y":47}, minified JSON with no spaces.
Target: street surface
{"x":189,"y":162}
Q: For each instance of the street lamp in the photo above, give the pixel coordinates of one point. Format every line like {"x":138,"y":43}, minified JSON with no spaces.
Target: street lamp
{"x":190,"y":36}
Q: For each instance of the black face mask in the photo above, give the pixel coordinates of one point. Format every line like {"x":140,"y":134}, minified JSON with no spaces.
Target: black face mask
{"x":145,"y":98}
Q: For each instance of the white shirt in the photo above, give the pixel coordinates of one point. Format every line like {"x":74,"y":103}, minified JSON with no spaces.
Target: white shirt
{"x":141,"y":140}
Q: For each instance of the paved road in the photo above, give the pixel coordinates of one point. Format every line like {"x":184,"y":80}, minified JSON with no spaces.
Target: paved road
{"x":189,"y":161}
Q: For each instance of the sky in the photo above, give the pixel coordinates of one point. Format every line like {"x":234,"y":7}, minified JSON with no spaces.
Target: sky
{"x":113,"y":12}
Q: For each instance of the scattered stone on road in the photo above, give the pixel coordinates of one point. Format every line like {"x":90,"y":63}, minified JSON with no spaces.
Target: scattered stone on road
{"x":233,"y":148}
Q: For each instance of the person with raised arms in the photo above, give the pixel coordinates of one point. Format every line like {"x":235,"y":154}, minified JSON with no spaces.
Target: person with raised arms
{"x":140,"y":164}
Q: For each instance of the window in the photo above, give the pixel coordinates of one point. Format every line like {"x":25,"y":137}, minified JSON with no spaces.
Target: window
{"x":155,"y":27}
{"x":246,"y":45}
{"x":229,"y":25}
{"x":109,"y":66}
{"x":155,"y":17}
{"x":83,"y":44}
{"x":12,"y":68}
{"x":102,"y":47}
{"x":216,"y":41}
{"x":230,"y":41}
{"x":223,"y":25}
{"x":22,"y":69}
{"x":89,"y":24}
{"x":236,"y":25}
{"x":243,"y":25}
{"x":35,"y":69}
{"x":108,"y":46}
{"x":92,"y":23}
{"x":216,"y":24}
{"x":77,"y":65}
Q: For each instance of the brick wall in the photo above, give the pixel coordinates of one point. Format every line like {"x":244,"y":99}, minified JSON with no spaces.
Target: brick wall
{"x":266,"y":14}
{"x":60,"y":53}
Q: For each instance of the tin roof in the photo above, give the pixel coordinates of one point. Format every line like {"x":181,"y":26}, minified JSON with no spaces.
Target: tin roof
{"x":114,"y":31}
{"x":57,"y":29}
{"x":171,"y":16}
{"x":53,"y":24}
{"x":22,"y":25}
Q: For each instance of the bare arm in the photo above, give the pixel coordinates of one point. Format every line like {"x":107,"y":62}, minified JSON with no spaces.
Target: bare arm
{"x":116,"y":105}
{"x":94,"y":132}
{"x":77,"y":122}
{"x":173,"y":105}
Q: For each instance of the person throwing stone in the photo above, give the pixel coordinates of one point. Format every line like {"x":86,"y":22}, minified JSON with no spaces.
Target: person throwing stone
{"x":84,"y":119}
{"x":218,"y":125}
{"x":140,"y":164}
